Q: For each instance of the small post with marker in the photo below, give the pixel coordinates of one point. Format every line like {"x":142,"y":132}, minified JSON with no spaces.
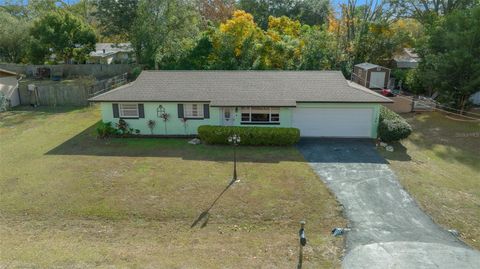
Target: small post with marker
{"x":303,"y":242}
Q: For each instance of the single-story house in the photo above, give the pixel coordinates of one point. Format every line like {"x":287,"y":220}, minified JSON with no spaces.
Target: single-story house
{"x":406,"y":59}
{"x":371,"y":76}
{"x":110,"y":53}
{"x":319,"y":103}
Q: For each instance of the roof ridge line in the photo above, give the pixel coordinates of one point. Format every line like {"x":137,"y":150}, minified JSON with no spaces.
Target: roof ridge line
{"x":242,"y":71}
{"x":366,"y":90}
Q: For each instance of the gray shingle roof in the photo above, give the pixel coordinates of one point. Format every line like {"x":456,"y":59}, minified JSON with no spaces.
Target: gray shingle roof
{"x":242,"y":88}
{"x":106,"y":49}
{"x":367,"y":66}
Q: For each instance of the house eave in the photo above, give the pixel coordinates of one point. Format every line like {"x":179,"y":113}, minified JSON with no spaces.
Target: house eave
{"x":257,"y":105}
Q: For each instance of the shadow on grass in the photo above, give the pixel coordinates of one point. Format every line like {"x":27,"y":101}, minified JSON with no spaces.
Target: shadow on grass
{"x":313,"y":150}
{"x":447,"y":139}
{"x":399,"y":154}
{"x":204,"y":216}
{"x":86,"y":143}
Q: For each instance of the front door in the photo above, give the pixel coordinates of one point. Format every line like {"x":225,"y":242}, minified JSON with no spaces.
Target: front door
{"x":228,"y":116}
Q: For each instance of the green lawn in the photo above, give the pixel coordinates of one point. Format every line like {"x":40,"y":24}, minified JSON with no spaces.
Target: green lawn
{"x":68,"y":199}
{"x":439,"y":164}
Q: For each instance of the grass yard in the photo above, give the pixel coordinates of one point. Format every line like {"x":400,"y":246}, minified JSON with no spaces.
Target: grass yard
{"x":439,"y":164}
{"x":68,"y":199}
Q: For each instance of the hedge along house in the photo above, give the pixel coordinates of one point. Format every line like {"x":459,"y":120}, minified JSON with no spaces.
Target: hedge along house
{"x":319,"y":103}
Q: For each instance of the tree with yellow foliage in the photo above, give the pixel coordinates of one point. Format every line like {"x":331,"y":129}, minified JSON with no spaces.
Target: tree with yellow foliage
{"x":283,"y":44}
{"x":238,"y":42}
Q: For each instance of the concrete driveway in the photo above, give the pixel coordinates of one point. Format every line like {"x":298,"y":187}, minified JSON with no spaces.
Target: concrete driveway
{"x":388,"y":229}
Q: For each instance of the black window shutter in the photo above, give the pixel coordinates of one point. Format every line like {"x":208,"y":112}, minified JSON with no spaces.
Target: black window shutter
{"x":206,"y":111}
{"x":141,"y":111}
{"x":180,"y":110}
{"x":115,"y":111}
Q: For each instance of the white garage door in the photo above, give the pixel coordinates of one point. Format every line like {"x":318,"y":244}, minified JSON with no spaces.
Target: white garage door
{"x":377,"y":80}
{"x":333,"y":122}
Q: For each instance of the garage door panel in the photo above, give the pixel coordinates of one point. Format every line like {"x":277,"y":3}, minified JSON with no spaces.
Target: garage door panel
{"x":323,"y":122}
{"x":377,"y":80}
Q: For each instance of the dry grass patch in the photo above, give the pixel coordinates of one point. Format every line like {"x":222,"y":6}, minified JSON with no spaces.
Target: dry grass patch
{"x":70,"y":200}
{"x":439,"y":164}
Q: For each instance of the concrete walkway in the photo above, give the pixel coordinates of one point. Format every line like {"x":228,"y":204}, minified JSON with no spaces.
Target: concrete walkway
{"x":388,"y":230}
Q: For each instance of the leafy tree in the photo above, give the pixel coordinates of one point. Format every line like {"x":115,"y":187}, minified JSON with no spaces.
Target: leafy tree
{"x":260,"y":10}
{"x":216,"y":11}
{"x":163,"y":31}
{"x":450,"y":57}
{"x":13,"y":37}
{"x":14,"y":8}
{"x":283,"y":45}
{"x":116,"y":17}
{"x":85,"y":9}
{"x":62,"y":34}
{"x":199,"y":58}
{"x":238,"y":43}
{"x":320,"y":51}
{"x":426,"y":10}
{"x":310,"y":12}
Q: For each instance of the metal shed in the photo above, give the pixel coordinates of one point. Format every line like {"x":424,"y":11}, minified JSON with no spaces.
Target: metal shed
{"x":371,"y":75}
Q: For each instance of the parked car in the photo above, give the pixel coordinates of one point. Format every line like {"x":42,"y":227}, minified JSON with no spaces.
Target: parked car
{"x":387,"y":93}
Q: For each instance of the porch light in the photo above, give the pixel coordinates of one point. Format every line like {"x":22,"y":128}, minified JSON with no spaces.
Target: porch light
{"x":160,"y":111}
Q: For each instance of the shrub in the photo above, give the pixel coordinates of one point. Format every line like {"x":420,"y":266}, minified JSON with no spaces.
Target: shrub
{"x":392,"y":127}
{"x":105,"y":129}
{"x":135,"y":73}
{"x":253,"y":136}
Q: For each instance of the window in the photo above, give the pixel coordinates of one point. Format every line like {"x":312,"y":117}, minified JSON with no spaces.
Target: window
{"x":193,"y":110}
{"x":128,"y":110}
{"x":260,"y":115}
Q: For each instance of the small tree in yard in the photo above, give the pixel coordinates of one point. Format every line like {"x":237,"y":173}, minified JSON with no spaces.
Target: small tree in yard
{"x":63,"y":34}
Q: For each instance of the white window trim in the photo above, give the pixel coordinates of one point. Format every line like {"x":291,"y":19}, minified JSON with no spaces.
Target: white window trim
{"x":250,"y":116}
{"x":121,"y":111}
{"x":200,"y":109}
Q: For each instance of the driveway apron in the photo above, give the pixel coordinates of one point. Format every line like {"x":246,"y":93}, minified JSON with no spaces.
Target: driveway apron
{"x":388,"y":229}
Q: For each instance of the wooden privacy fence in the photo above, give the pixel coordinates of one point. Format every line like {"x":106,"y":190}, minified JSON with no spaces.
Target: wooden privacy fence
{"x":100,"y":71}
{"x":66,"y":93}
{"x":107,"y":85}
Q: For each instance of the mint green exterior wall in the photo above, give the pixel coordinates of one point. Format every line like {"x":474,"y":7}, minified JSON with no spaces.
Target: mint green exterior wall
{"x":175,"y":125}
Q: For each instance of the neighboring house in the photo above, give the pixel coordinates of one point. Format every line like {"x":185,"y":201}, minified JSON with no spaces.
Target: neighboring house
{"x":371,"y":76}
{"x":110,"y":53}
{"x":9,"y":96}
{"x":406,"y":59}
{"x":319,"y":103}
{"x":475,"y":98}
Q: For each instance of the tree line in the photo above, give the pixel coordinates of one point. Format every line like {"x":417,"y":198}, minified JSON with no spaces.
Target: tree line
{"x":259,"y":35}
